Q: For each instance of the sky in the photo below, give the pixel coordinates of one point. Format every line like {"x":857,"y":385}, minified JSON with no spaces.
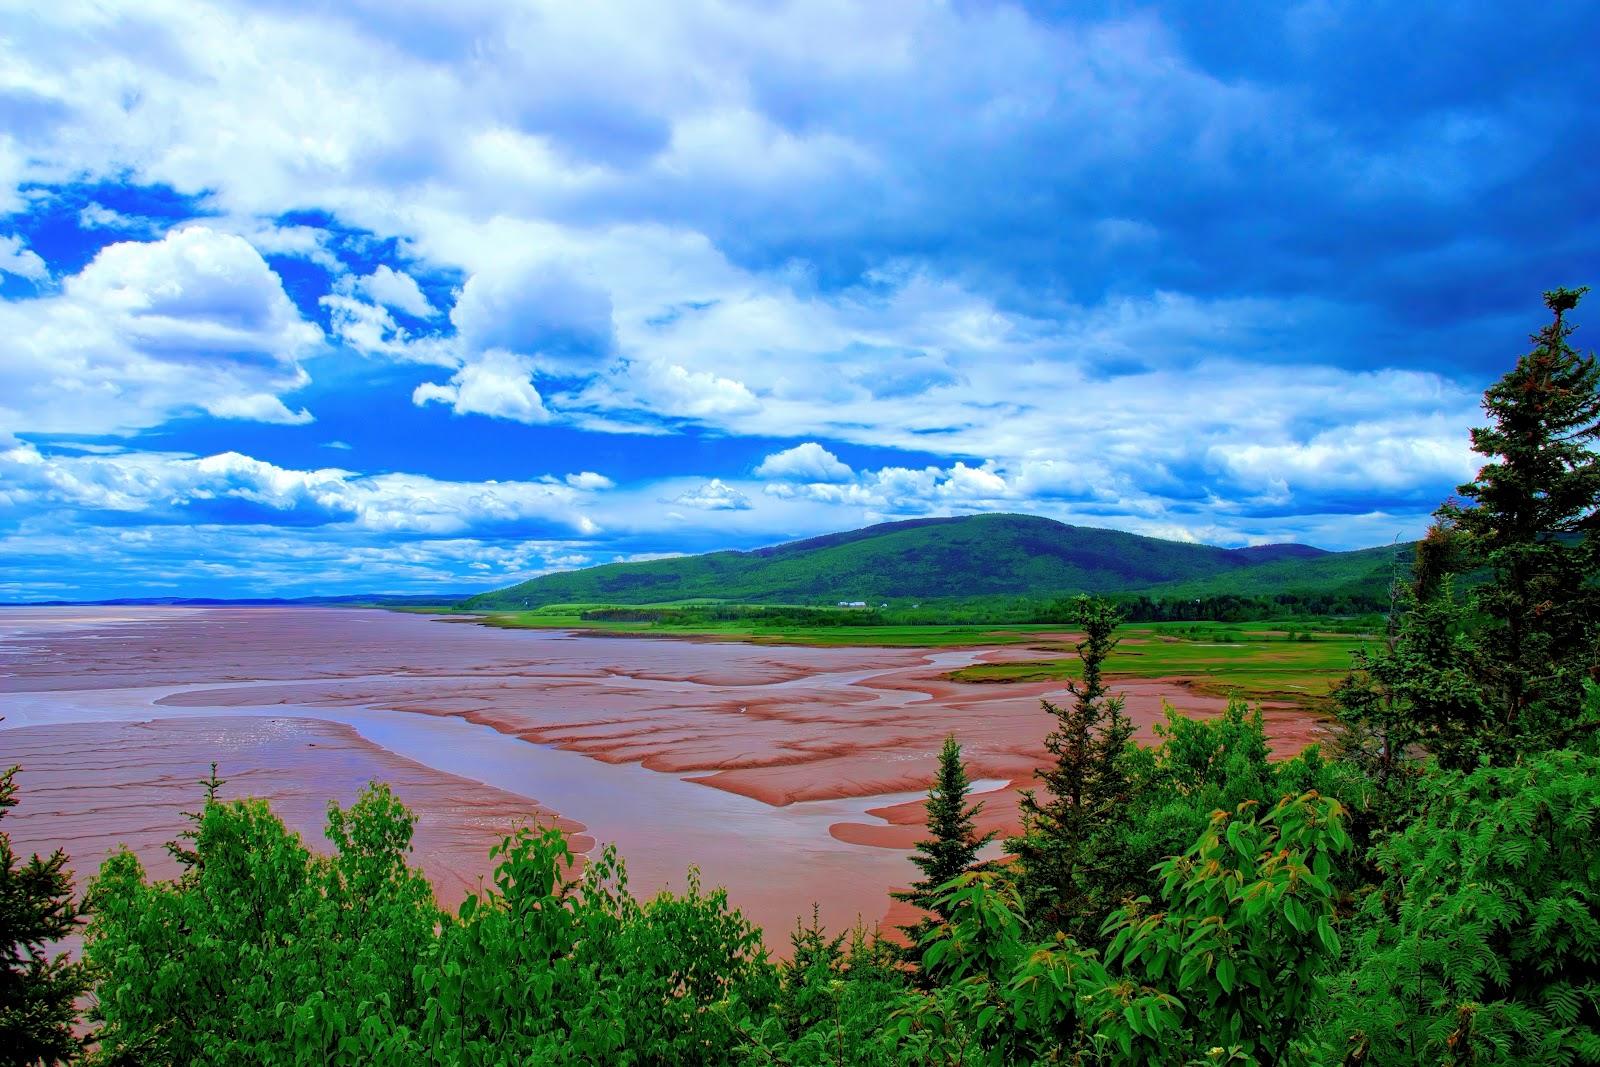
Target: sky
{"x":389,"y":296}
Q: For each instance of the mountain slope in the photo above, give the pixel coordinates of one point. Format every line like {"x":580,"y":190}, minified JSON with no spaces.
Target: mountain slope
{"x":975,"y":555}
{"x":1364,"y":572}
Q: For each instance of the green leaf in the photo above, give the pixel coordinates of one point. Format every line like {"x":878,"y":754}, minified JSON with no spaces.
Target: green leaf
{"x":1225,"y":974}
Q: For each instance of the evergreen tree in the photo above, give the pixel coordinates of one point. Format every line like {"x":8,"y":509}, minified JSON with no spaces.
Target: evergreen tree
{"x":953,"y":848}
{"x":1086,"y":789}
{"x":1419,"y":691}
{"x":1503,"y":672}
{"x":1534,"y":522}
{"x":36,"y":990}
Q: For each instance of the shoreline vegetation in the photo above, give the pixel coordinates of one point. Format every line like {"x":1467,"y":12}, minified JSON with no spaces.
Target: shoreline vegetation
{"x":1423,"y":890}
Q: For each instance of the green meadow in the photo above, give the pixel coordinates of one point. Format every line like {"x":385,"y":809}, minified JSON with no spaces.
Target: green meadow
{"x":1254,"y":661}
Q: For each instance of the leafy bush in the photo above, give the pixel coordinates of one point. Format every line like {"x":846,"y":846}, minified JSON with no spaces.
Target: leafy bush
{"x":546,"y":970}
{"x":262,"y":952}
{"x":1482,"y":944}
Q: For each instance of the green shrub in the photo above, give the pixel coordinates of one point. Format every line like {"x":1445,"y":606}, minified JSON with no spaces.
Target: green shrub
{"x":1482,"y":943}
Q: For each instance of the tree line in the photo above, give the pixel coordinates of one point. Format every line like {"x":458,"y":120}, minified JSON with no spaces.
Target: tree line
{"x":1222,"y":607}
{"x":1422,"y":889}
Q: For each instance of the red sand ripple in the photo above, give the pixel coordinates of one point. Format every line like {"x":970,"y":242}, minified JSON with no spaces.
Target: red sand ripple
{"x":780,"y":724}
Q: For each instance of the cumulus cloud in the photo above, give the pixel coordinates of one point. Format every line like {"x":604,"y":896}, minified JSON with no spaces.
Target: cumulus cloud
{"x":372,"y":331}
{"x":698,"y":394}
{"x":196,"y":321}
{"x":667,"y":390}
{"x":168,"y":486}
{"x":17,"y":258}
{"x":776,"y":132}
{"x":905,"y":490}
{"x":498,"y":384}
{"x":590,"y":480}
{"x":715,"y":495}
{"x":1045,"y":477}
{"x":807,"y":462}
{"x":510,"y":326}
{"x":395,"y":289}
{"x":1362,"y":459}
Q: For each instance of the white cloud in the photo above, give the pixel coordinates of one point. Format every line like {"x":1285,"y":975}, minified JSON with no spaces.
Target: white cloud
{"x":209,"y":559}
{"x":715,"y":495}
{"x":590,"y":480}
{"x":698,"y":394}
{"x":666,"y":391}
{"x":905,"y":490}
{"x":158,"y":485}
{"x":99,"y":217}
{"x":370,"y":330}
{"x":806,"y":462}
{"x":193,"y":322}
{"x":589,"y":206}
{"x":499,"y":384}
{"x":395,"y":289}
{"x":1361,"y":457}
{"x":17,"y":258}
{"x":1048,"y":477}
{"x":612,"y":185}
{"x":298,"y":241}
{"x":257,"y":407}
{"x":535,"y":309}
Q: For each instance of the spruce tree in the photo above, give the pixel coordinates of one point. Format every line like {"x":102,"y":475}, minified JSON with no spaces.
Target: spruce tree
{"x":953,"y":848}
{"x":1532,"y":518}
{"x":1066,"y":831}
{"x":36,"y":990}
{"x":1418,"y":692}
{"x":1502,"y":672}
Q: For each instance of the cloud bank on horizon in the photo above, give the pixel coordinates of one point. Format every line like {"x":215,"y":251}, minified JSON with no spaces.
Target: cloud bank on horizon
{"x":397,"y":296}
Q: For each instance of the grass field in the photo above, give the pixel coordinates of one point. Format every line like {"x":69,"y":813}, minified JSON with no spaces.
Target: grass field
{"x":1255,"y":661}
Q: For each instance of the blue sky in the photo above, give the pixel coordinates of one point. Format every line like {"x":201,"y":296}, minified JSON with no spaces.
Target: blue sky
{"x":389,"y":296}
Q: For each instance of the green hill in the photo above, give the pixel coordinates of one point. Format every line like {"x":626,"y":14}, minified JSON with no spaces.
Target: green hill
{"x":968,"y":556}
{"x":1365,"y":572}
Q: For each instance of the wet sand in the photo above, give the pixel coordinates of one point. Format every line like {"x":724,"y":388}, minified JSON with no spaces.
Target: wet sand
{"x":816,"y":758}
{"x":94,"y":786}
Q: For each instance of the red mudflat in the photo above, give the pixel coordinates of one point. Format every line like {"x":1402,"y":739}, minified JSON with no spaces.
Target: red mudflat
{"x":816,"y":757}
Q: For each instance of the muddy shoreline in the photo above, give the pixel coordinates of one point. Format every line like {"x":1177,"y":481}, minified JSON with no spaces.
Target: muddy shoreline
{"x":789,"y":773}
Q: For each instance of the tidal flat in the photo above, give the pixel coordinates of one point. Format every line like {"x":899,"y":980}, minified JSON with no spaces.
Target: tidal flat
{"x":792,"y":775}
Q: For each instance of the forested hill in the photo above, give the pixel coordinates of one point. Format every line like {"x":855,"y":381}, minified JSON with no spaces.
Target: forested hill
{"x":968,"y":556}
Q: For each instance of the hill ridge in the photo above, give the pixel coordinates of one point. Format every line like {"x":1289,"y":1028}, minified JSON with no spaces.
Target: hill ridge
{"x":957,"y":556}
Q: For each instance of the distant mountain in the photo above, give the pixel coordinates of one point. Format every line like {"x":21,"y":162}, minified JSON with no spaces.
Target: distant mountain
{"x":968,"y":556}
